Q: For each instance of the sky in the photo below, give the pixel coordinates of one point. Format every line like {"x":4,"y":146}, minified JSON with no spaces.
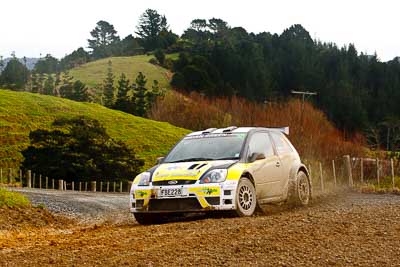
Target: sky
{"x":57,"y":27}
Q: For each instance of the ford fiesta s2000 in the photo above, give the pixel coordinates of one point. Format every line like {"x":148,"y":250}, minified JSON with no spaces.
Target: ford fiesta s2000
{"x":231,"y":168}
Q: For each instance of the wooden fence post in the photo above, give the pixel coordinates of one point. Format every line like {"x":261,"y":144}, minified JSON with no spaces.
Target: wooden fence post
{"x":120,"y":186}
{"x":29,"y":179}
{"x":65,"y":185}
{"x":334,"y":173}
{"x":52,"y":184}
{"x":40,"y":181}
{"x":362,"y":171}
{"x":115,"y":186}
{"x":47,"y":183}
{"x":10,"y":178}
{"x":348,"y":164}
{"x":377,"y":171}
{"x":321,"y":177}
{"x":80,"y":186}
{"x":1,"y":175}
{"x":108,"y":187}
{"x":93,"y":186}
{"x":101,"y":186}
{"x":85,"y":186}
{"x":392,"y":167}
{"x":34,"y":180}
{"x":73,"y":186}
{"x":60,"y":185}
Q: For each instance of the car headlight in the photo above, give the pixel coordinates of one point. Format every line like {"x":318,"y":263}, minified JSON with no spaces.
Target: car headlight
{"x":214,"y":176}
{"x":144,"y":178}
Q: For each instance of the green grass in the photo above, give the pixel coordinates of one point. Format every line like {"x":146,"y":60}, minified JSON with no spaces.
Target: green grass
{"x":22,"y":112}
{"x":93,"y":73}
{"x":12,"y":199}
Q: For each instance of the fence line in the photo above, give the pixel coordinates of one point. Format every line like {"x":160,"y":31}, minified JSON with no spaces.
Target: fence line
{"x":345,"y":171}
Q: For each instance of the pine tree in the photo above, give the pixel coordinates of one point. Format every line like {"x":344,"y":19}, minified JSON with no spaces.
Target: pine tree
{"x":34,"y":86}
{"x":66,"y":87}
{"x":81,"y":92}
{"x":140,"y":95}
{"x":108,"y":87}
{"x":48,"y":88}
{"x":123,"y":97}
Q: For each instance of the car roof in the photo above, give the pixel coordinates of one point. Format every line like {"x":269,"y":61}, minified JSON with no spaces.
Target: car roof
{"x":234,"y":129}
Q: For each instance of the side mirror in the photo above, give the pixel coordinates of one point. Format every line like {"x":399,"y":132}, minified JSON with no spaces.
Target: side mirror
{"x":160,"y":160}
{"x":256,"y":156}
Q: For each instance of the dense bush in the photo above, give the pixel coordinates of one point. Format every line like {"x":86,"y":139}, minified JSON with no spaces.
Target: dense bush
{"x":85,"y":151}
{"x":313,"y":135}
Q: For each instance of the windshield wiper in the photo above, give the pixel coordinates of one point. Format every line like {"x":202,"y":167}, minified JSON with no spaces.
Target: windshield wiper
{"x":227,"y":158}
{"x":190,"y":159}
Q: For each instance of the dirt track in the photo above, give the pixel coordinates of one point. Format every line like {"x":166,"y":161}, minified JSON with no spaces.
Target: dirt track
{"x":344,"y":230}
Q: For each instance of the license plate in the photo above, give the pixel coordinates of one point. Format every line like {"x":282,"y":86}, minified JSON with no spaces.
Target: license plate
{"x":170,"y":192}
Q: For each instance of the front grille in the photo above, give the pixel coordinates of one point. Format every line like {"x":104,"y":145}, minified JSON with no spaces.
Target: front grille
{"x":179,"y":182}
{"x":175,"y":204}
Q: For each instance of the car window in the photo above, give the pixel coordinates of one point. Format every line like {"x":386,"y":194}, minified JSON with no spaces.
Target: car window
{"x":281,"y":144}
{"x":260,"y":143}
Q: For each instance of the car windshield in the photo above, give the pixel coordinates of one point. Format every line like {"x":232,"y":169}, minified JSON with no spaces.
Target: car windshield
{"x":207,"y":147}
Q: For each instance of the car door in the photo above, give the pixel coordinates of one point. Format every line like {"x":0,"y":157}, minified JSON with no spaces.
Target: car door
{"x":266,"y":172}
{"x":286,"y":156}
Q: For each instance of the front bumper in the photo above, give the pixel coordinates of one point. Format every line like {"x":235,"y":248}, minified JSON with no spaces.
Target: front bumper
{"x":195,"y":198}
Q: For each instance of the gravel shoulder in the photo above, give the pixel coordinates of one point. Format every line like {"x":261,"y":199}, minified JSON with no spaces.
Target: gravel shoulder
{"x":86,"y":207}
{"x":346,"y":229}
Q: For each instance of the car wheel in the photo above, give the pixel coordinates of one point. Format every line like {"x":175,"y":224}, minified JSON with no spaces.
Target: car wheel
{"x":301,"y":190}
{"x":147,"y":218}
{"x":246,"y":200}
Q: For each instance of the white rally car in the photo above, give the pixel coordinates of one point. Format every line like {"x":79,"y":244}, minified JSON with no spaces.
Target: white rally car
{"x":222,"y":169}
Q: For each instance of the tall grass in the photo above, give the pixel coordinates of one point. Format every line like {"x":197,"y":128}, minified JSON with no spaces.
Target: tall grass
{"x":313,"y":134}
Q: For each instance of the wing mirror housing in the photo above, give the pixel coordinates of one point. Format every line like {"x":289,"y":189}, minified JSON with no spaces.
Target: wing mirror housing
{"x":256,"y":156}
{"x":160,"y":160}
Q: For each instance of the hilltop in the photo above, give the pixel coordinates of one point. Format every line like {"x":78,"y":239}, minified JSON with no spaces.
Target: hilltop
{"x":21,"y":112}
{"x":94,"y":72}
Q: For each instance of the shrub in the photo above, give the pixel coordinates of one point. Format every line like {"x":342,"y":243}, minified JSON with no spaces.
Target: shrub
{"x":315,"y":137}
{"x":12,"y":199}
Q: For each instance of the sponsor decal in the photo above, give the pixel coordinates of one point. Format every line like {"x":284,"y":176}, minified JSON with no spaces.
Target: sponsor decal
{"x":208,"y":191}
{"x":173,"y":182}
{"x":141,"y":193}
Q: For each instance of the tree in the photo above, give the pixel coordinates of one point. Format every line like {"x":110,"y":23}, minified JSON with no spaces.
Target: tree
{"x":76,"y":58}
{"x":48,"y":88}
{"x":140,"y":95}
{"x":108,"y":87}
{"x":104,"y":36}
{"x":66,"y":89}
{"x":149,"y":28}
{"x":15,"y":75}
{"x":123,"y":102}
{"x":79,"y":148}
{"x":49,"y":64}
{"x":80,"y":92}
{"x":160,"y":56}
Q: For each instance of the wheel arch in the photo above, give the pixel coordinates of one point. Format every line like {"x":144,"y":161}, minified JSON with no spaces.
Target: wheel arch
{"x":293,"y":176}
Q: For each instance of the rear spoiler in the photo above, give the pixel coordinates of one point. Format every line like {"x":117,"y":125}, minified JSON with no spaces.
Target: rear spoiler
{"x":284,"y":130}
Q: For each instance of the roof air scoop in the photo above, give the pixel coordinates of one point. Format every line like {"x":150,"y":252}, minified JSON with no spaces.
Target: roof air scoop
{"x":229,"y":129}
{"x":209,"y":130}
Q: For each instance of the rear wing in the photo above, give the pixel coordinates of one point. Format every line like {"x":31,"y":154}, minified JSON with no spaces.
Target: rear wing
{"x":284,"y":130}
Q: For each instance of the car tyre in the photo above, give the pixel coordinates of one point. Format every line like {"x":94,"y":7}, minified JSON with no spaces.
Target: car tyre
{"x":300,"y":194}
{"x":246,"y":199}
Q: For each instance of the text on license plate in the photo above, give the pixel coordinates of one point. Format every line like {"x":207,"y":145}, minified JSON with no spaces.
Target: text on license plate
{"x":170,"y":192}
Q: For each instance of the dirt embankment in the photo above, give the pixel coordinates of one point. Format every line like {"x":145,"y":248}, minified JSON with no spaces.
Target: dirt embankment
{"x":343,"y":230}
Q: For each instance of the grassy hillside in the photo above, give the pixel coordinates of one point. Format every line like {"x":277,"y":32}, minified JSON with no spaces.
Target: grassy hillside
{"x":22,"y":112}
{"x":94,"y":72}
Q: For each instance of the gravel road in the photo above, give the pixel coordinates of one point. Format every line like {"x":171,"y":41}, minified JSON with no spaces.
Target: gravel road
{"x":346,"y":229}
{"x":84,"y":206}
